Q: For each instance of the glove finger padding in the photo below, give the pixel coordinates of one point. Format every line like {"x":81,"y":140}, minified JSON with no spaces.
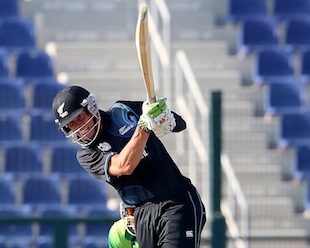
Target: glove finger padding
{"x":167,"y":124}
{"x":154,"y":109}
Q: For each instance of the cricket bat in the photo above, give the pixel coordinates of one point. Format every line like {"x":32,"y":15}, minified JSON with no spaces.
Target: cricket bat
{"x":144,"y":53}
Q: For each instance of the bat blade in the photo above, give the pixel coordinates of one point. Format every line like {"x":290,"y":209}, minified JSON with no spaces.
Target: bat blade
{"x":144,"y":53}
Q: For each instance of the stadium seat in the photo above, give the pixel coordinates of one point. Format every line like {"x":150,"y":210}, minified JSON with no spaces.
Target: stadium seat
{"x":284,"y":96}
{"x":285,"y":9}
{"x":297,"y":33}
{"x":9,"y":8}
{"x":301,"y":165}
{"x":64,"y":161}
{"x":17,"y":34}
{"x":12,"y":95}
{"x":7,"y":190}
{"x":43,"y":93}
{"x":58,"y":211}
{"x":305,"y":65}
{"x":257,"y":32}
{"x":23,"y":158}
{"x":272,"y":63}
{"x":11,"y":230}
{"x":34,"y":63}
{"x":239,"y":10}
{"x":294,"y":129}
{"x":99,"y":230}
{"x":41,"y":190}
{"x":4,"y":64}
{"x":11,"y":127}
{"x":43,"y":128}
{"x":94,"y":242}
{"x":84,"y":191}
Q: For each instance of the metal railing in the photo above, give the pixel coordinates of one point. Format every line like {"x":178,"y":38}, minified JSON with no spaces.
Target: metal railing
{"x":194,"y":107}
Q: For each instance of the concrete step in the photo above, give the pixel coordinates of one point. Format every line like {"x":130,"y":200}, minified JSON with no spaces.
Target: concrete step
{"x":259,"y":206}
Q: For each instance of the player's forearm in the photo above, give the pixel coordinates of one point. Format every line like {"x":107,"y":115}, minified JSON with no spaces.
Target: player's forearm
{"x":128,"y":159}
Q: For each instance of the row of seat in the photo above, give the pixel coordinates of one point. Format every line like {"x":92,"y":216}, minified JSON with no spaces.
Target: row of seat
{"x":238,"y":10}
{"x":278,"y":63}
{"x":19,"y":94}
{"x":31,"y":157}
{"x":38,"y":190}
{"x":28,"y":64}
{"x":261,"y":32}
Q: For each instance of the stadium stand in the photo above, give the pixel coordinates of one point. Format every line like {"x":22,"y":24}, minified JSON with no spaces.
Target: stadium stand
{"x":9,"y":8}
{"x":34,"y":63}
{"x":285,"y":9}
{"x":7,"y":190}
{"x":297,"y":33}
{"x":238,"y":10}
{"x":12,"y":95}
{"x":284,"y":96}
{"x":301,"y":165}
{"x":40,"y":190}
{"x":4,"y":67}
{"x":18,"y":230}
{"x":43,"y":92}
{"x":64,"y":162}
{"x":17,"y":34}
{"x":11,"y":127}
{"x":58,"y":211}
{"x":23,"y":159}
{"x":272,"y":63}
{"x":84,"y":191}
{"x":305,"y":65}
{"x":294,"y":129}
{"x":42,"y":127}
{"x":256,"y":33}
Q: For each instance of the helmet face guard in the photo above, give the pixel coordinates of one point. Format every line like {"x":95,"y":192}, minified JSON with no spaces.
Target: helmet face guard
{"x":69,"y":104}
{"x":127,"y":214}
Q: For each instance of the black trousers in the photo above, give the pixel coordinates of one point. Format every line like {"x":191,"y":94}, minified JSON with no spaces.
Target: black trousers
{"x":172,"y":223}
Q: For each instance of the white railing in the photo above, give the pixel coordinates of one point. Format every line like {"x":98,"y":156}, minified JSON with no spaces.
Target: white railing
{"x":193,"y":106}
{"x":160,"y":44}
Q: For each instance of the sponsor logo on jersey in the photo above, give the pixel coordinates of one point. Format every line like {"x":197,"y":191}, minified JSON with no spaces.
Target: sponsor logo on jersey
{"x":189,"y":234}
{"x":104,"y":146}
{"x":125,"y":129}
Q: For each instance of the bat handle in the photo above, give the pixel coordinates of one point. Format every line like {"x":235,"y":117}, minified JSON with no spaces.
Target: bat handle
{"x":151,"y":100}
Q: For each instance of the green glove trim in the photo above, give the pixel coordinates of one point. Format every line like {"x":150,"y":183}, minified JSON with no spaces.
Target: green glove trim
{"x":157,"y":108}
{"x":143,"y":126}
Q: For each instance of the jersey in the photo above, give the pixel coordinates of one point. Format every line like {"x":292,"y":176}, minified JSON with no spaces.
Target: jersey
{"x":155,"y":178}
{"x":169,"y":211}
{"x":119,"y":237}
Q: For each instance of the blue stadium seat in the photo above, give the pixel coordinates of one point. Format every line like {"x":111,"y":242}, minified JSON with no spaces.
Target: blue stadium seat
{"x":64,"y":162}
{"x":34,"y":63}
{"x":99,"y":230}
{"x":43,"y":128}
{"x":11,"y":230}
{"x":17,"y":34}
{"x":12,"y":95}
{"x":257,"y":32}
{"x":285,"y":9}
{"x":56,"y":211}
{"x":297,"y":33}
{"x":305,"y":65}
{"x":7,"y":190}
{"x":284,"y":96}
{"x":294,"y":129}
{"x":23,"y":158}
{"x":40,"y":190}
{"x":4,"y":64}
{"x":272,"y":63}
{"x":11,"y":127}
{"x":84,"y":191}
{"x":13,"y":243}
{"x":239,"y":10}
{"x":9,"y":8}
{"x":301,"y":165}
{"x":94,"y":242}
{"x":43,"y":93}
